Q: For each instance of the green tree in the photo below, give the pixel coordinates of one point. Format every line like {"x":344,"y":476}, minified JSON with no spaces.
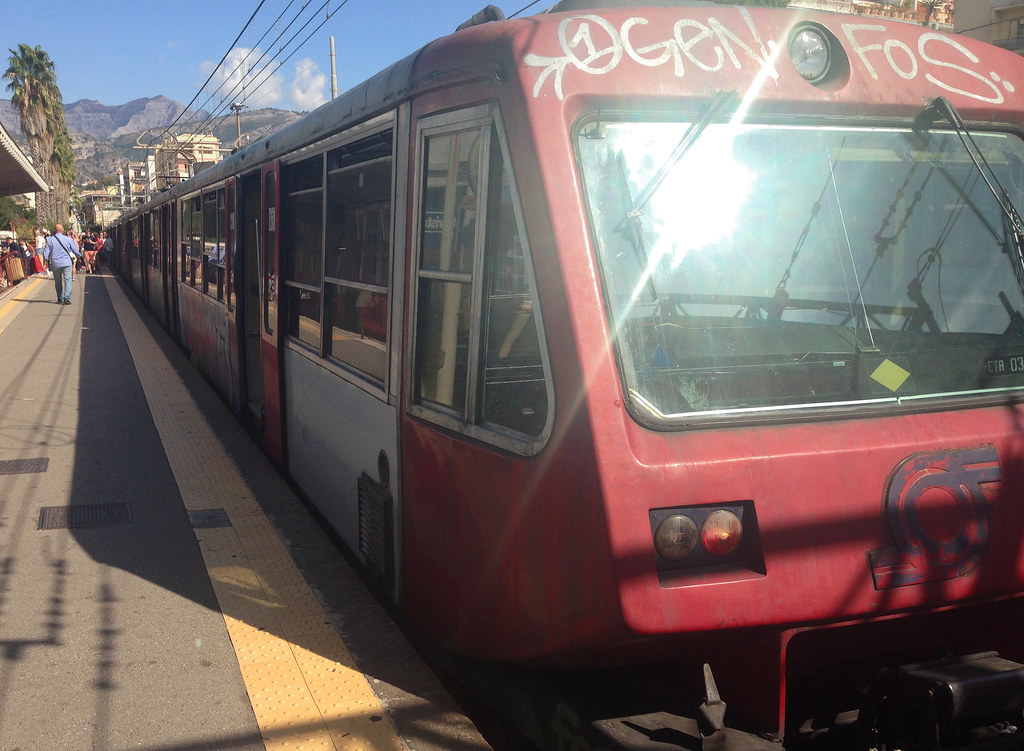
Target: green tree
{"x":62,"y":167}
{"x":12,"y":213}
{"x":32,"y":81}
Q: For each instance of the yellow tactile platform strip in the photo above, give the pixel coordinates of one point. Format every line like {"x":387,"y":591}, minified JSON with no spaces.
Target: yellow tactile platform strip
{"x":305,"y":689}
{"x":18,"y":296}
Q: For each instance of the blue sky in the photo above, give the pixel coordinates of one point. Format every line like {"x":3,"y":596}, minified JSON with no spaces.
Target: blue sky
{"x":116,"y":51}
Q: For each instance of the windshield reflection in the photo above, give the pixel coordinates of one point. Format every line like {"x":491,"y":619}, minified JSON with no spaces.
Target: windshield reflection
{"x":780,"y":267}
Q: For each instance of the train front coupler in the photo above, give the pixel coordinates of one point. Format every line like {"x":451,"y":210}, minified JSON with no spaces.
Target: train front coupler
{"x":966,"y":702}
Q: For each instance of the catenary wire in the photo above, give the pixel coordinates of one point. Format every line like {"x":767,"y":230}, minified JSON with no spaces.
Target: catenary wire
{"x":269,"y":69}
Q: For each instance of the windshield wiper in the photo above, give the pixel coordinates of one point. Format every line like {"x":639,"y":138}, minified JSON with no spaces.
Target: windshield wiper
{"x":721,"y":100}
{"x":942,"y":107}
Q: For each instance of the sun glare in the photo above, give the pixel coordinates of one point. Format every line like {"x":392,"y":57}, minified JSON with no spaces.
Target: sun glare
{"x":700,"y":200}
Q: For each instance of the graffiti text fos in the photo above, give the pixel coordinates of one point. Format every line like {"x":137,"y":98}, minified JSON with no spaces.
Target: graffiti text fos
{"x":938,"y":55}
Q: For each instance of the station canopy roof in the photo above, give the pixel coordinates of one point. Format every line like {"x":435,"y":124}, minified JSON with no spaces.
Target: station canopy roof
{"x":17,"y":175}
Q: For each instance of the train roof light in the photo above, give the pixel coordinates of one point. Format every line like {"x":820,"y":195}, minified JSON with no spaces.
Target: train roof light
{"x":810,"y":49}
{"x":676,"y":537}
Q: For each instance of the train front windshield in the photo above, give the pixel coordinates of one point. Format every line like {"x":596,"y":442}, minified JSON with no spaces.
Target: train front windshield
{"x":762,"y":269}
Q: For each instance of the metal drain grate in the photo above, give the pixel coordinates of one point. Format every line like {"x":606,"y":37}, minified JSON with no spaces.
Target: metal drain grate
{"x":94,"y":515}
{"x":23,"y":466}
{"x":209,"y":518}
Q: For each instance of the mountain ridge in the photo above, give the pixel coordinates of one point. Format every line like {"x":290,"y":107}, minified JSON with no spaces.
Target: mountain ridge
{"x":104,"y":137}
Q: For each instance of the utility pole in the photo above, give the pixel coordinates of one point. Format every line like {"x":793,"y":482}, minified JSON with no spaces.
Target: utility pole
{"x":334,"y":74}
{"x":237,"y":108}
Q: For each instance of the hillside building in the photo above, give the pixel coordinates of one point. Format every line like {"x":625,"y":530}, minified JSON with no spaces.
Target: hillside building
{"x":101,"y":207}
{"x":136,"y":182}
{"x":180,"y":157}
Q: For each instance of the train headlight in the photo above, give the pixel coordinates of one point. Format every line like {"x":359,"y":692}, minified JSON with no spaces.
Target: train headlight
{"x":721,"y":533}
{"x":811,"y":52}
{"x":676,"y":537}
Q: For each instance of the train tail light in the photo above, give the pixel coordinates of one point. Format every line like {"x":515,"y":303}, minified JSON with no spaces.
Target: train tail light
{"x":697,"y":540}
{"x":721,"y":533}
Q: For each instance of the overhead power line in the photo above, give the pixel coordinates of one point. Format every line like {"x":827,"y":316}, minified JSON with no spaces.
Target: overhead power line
{"x":253,"y":81}
{"x":168,"y":128}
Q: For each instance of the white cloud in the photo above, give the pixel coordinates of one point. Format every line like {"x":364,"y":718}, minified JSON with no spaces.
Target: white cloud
{"x":244,"y":76}
{"x":307,"y":87}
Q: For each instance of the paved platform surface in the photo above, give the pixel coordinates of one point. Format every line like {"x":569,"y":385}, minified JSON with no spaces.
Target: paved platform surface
{"x":161,"y":587}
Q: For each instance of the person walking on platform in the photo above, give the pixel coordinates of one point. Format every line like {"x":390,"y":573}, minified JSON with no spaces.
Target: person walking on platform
{"x":40,"y":250}
{"x":61,"y":254}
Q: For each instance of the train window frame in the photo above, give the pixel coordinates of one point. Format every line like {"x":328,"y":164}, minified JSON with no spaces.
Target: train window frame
{"x":472,"y":276}
{"x":355,"y":147}
{"x":364,"y":299}
{"x":155,"y":240}
{"x":303,"y":296}
{"x":194,"y":257}
{"x":214,"y":243}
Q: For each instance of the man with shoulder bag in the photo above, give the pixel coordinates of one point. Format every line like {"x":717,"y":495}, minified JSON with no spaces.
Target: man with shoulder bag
{"x":61,"y":253}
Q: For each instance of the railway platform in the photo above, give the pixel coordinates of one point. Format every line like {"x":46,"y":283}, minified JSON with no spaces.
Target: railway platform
{"x":161,"y":587}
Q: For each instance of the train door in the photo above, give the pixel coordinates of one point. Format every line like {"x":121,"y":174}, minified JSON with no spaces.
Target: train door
{"x":154,"y":266}
{"x":169,"y":219}
{"x":135,"y":256}
{"x":268,"y":263}
{"x":247,"y":275}
{"x":340,"y":302}
{"x":228,"y":263}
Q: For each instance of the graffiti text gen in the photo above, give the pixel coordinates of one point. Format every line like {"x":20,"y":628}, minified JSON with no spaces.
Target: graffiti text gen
{"x":593,"y":45}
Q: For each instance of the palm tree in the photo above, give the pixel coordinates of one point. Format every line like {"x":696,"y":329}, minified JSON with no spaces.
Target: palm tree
{"x":63,"y":170}
{"x":931,"y":6}
{"x":32,"y":81}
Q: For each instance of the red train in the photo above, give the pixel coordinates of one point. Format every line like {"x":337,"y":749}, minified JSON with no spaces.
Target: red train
{"x":679,"y":333}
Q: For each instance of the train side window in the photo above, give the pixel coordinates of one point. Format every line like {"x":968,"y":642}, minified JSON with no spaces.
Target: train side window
{"x":131,"y":233}
{"x":195,"y":258}
{"x":449,"y":206}
{"x":479,"y":360}
{"x":514,"y":384}
{"x":214,"y":237}
{"x":184,"y":240}
{"x":302,"y":249}
{"x":222,"y":246}
{"x":155,"y":240}
{"x":358,"y":255}
{"x":145,"y":221}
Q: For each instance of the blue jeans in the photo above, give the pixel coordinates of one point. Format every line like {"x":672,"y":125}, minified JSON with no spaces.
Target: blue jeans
{"x":62,"y":280}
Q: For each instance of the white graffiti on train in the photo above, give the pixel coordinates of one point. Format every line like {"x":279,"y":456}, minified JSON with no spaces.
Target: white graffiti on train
{"x":903,"y":60}
{"x":690,"y":38}
{"x":593,"y":45}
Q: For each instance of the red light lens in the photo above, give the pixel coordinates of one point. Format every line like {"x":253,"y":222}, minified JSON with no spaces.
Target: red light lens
{"x":721,"y":533}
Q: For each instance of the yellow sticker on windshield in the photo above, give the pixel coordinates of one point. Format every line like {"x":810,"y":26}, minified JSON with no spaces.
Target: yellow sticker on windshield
{"x":890,"y":375}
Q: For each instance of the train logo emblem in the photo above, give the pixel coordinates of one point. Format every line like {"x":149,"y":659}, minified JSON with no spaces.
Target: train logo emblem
{"x":944,"y":486}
